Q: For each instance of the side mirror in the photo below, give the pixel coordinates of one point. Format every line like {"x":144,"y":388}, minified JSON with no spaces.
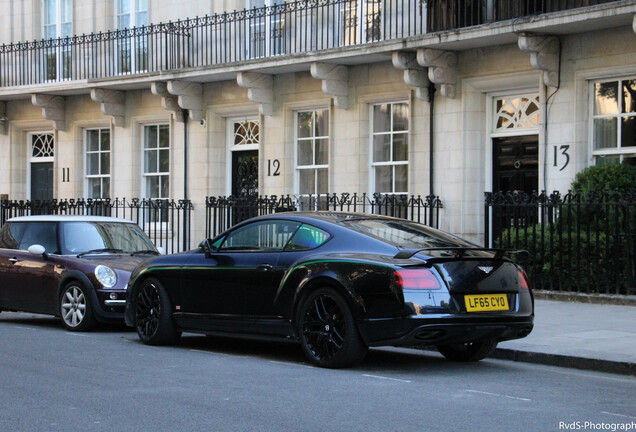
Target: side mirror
{"x":206,"y":246}
{"x":37,"y":249}
{"x":161,"y":250}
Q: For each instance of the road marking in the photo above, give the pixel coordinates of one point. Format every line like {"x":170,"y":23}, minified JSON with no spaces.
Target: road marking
{"x":24,"y":328}
{"x":618,"y":415}
{"x":217,"y":353}
{"x":499,"y":395}
{"x":386,"y":378}
{"x":588,"y":374}
{"x":291,"y":364}
{"x":77,"y":334}
{"x":207,"y":352}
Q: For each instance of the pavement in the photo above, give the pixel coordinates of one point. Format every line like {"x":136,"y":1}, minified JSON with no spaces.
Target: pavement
{"x":577,"y":334}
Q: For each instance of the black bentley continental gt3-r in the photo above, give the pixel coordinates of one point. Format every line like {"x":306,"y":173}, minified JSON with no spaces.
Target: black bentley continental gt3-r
{"x":337,"y":283}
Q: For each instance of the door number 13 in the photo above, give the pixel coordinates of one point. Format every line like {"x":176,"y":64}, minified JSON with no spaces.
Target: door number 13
{"x":564,"y":152}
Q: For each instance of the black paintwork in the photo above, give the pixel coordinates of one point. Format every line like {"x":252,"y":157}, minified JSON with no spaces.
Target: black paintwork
{"x":257,"y":293}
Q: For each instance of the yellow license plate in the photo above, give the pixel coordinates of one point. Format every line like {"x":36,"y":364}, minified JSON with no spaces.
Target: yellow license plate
{"x":486,"y":302}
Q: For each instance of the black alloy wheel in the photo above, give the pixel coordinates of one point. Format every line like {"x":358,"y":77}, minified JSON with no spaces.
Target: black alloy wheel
{"x":153,"y":314}
{"x":468,"y":352}
{"x":327,"y":330}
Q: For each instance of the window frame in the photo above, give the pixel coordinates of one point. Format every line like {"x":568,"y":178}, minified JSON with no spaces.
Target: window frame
{"x":101,"y":176}
{"x":597,"y":155}
{"x":133,"y":14}
{"x":271,"y":44}
{"x":146,"y":175}
{"x":360,"y":11}
{"x":313,"y":138}
{"x":59,"y":54}
{"x":372,"y":164}
{"x":133,"y":43}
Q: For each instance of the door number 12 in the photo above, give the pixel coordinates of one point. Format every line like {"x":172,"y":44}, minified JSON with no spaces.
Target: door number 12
{"x":276,"y":165}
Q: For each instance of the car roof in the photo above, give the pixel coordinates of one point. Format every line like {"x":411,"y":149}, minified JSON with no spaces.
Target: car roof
{"x":327,"y":216}
{"x":68,"y":218}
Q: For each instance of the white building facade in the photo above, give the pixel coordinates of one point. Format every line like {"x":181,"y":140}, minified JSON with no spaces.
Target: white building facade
{"x":360,"y":96}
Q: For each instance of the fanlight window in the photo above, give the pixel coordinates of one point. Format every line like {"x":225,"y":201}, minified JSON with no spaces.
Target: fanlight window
{"x":517,"y":112}
{"x":42,"y":146}
{"x":246,"y":132}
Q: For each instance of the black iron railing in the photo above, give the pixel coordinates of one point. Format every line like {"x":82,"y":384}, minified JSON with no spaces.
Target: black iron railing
{"x":454,"y":14}
{"x":295,"y":27}
{"x":224,"y":212}
{"x":166,"y":222}
{"x":579,"y":243}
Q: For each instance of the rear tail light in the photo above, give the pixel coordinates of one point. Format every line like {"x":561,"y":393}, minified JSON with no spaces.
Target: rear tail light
{"x":523,"y":280}
{"x":417,"y":279}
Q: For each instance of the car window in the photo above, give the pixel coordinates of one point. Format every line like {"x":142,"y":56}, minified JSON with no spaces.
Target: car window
{"x":217,"y":244}
{"x":307,"y":237}
{"x":41,"y":233}
{"x":10,"y":235}
{"x":78,"y":237}
{"x":260,"y":236}
{"x":405,"y":234}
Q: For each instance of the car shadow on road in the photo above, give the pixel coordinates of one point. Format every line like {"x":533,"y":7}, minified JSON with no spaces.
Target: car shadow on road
{"x":48,"y":321}
{"x":244,"y":347}
{"x":386,"y":359}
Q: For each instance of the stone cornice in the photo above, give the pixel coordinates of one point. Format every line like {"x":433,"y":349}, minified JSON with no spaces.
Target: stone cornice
{"x":544,"y":55}
{"x":335,"y":81}
{"x":189,"y":97}
{"x":260,"y":89}
{"x":442,"y":69}
{"x":113,"y":103}
{"x":168,"y":101}
{"x":52,"y":108}
{"x":414,"y":74}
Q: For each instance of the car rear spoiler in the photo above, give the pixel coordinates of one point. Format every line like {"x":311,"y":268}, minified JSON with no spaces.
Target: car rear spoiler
{"x":458,"y":252}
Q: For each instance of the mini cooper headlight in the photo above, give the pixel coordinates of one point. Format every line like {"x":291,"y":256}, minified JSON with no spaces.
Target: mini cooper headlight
{"x":105,"y":276}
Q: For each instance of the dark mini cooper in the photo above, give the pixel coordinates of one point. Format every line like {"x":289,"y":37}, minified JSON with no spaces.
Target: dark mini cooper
{"x":336,"y":283}
{"x":74,"y":267}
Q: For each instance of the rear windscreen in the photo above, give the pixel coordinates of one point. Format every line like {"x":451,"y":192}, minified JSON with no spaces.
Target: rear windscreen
{"x":406,"y":235}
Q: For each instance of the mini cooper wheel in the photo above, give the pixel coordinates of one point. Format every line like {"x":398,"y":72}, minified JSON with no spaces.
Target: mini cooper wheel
{"x":76,"y":309}
{"x":153,"y":314}
{"x":327,"y":330}
{"x":468,"y":352}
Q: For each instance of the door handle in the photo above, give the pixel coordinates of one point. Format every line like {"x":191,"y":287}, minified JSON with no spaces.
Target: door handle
{"x":264,"y":267}
{"x":13,"y":260}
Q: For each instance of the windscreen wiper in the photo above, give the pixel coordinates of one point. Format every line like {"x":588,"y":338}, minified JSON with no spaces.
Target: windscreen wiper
{"x":100,"y":251}
{"x":145,"y":251}
{"x":458,"y":252}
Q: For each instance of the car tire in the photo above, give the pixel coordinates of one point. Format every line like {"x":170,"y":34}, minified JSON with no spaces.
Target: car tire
{"x":76,"y":308}
{"x":153,"y":314}
{"x":468,"y":352}
{"x":328,"y":333}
